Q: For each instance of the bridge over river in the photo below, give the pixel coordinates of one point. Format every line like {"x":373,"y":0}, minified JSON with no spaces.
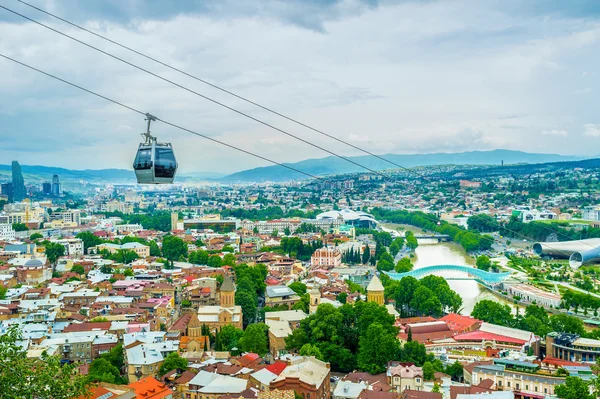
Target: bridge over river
{"x":485,"y":278}
{"x":439,"y":237}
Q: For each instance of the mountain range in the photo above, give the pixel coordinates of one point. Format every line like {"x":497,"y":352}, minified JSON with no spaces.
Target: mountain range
{"x":316,"y":167}
{"x":334,"y":165}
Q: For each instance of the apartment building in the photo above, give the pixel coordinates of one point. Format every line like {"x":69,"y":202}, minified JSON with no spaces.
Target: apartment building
{"x":326,"y":258}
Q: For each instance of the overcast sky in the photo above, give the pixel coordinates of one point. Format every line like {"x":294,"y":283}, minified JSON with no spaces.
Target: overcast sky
{"x":389,"y":76}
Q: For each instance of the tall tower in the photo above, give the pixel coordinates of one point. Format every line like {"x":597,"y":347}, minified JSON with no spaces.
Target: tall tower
{"x":55,"y":186}
{"x":19,"y":191}
{"x":174,"y":220}
{"x":375,"y":291}
{"x":227,"y":293}
{"x":315,"y":299}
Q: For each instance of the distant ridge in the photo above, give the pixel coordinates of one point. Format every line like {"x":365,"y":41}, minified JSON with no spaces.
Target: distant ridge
{"x":333,"y":165}
{"x":98,"y":175}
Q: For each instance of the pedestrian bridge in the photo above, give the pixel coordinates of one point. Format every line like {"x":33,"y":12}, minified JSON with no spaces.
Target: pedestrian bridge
{"x":439,"y":237}
{"x":486,"y":278}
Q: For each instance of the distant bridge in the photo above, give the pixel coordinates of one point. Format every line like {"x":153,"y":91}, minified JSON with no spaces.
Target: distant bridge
{"x":439,"y":237}
{"x":486,"y":278}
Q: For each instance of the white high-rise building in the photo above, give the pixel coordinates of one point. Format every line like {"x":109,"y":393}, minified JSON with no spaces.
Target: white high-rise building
{"x":6,"y":232}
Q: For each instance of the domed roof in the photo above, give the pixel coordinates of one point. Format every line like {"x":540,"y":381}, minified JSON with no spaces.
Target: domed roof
{"x":33,"y":262}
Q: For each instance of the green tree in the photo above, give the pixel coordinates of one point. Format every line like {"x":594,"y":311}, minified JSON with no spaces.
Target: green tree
{"x":366,"y":255}
{"x":436,"y":388}
{"x":342,"y":297}
{"x":255,"y":339}
{"x":20,"y":227}
{"x":229,"y":260}
{"x":483,"y":223}
{"x":53,"y":252}
{"x":311,"y":350}
{"x":428,"y":371}
{"x":214,"y":261}
{"x":414,"y":352}
{"x":455,"y":371}
{"x":298,"y":287}
{"x":493,"y":312}
{"x":411,"y":241}
{"x":249,"y":303}
{"x":154,"y":248}
{"x":35,"y":236}
{"x":101,"y":370}
{"x":404,"y":265}
{"x":287,"y":231}
{"x":566,"y":323}
{"x":574,"y":388}
{"x":483,"y":263}
{"x":3,"y":291}
{"x":376,"y":348}
{"x":173,"y":362}
{"x":78,"y":269}
{"x":41,"y":378}
{"x":174,"y":248}
{"x":89,"y":240}
{"x":124,"y":256}
{"x":228,"y":337}
{"x":425,"y":302}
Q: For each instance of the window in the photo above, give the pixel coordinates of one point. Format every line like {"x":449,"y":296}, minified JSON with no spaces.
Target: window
{"x":143,"y":160}
{"x":535,"y":389}
{"x":518,"y":386}
{"x":527,"y":387}
{"x":545,"y":390}
{"x":499,"y":383}
{"x":508,"y":384}
{"x":418,"y":380}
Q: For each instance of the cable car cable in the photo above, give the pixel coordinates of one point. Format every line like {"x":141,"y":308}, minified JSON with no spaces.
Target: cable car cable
{"x":196,"y":93}
{"x":296,"y":121}
{"x":425,"y":216}
{"x":162,"y":120}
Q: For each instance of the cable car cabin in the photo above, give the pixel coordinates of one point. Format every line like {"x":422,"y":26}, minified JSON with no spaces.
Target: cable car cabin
{"x":155,"y":163}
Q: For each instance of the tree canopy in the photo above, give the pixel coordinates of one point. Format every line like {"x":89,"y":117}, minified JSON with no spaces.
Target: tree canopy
{"x":41,"y":378}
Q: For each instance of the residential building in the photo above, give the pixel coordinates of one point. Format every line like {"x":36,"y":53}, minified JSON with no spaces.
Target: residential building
{"x":523,"y":378}
{"x":326,"y":258}
{"x":280,"y":295}
{"x":403,"y":376}
{"x":73,"y":246}
{"x":143,"y":251}
{"x":207,"y":385}
{"x":305,"y":375}
{"x":144,"y":359}
{"x":6,"y":232}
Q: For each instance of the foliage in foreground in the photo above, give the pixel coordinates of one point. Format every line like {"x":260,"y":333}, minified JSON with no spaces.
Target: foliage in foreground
{"x":41,"y":378}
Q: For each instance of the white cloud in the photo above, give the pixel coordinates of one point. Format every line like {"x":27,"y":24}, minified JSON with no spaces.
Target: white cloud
{"x":591,"y":130}
{"x":393,"y":74}
{"x":356,"y":138}
{"x":555,"y":132}
{"x":583,"y":91}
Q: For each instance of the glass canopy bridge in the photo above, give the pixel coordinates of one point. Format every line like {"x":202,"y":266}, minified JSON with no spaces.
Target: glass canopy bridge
{"x":481,"y":276}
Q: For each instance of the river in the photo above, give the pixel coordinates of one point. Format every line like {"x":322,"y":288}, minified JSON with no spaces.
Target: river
{"x":430,"y":253}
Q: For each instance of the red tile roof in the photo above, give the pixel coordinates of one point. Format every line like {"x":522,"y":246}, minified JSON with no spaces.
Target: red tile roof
{"x":277,"y":367}
{"x":559,"y":362}
{"x":100,"y":326}
{"x":486,"y":336}
{"x":459,"y":322}
{"x":150,"y":388}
